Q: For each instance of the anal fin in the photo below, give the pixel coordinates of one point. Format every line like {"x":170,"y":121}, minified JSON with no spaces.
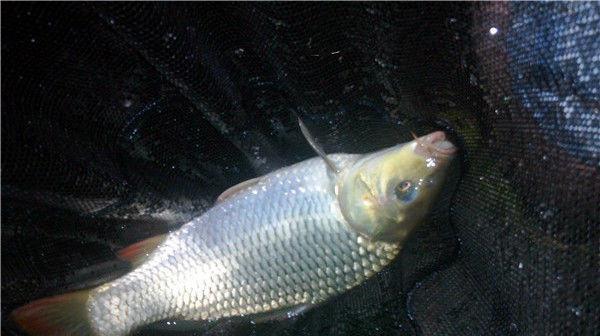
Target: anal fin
{"x":64,"y":314}
{"x":136,"y":253}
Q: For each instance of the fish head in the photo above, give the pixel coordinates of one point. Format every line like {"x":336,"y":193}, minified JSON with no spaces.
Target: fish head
{"x":385,"y":194}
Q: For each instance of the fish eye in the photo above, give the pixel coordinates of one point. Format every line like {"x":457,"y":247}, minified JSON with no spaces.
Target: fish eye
{"x":405,"y":191}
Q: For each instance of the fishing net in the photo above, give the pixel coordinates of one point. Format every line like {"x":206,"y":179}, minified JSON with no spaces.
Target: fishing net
{"x":125,"y":120}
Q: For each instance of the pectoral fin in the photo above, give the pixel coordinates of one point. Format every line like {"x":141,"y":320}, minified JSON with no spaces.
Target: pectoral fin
{"x":313,"y":143}
{"x":236,"y":188}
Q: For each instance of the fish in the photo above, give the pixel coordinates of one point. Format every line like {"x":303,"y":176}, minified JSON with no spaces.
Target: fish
{"x":270,"y":247}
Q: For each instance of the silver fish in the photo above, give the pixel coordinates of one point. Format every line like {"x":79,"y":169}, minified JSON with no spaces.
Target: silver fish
{"x":282,"y":242}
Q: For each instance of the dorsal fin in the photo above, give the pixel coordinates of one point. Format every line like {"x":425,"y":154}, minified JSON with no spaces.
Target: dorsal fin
{"x":311,"y":140}
{"x":136,"y":253}
{"x":236,"y":188}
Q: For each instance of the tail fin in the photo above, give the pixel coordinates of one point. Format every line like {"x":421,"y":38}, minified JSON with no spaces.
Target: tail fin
{"x":65,"y":314}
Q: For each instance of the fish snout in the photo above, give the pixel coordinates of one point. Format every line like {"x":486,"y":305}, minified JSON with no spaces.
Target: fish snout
{"x":434,"y":144}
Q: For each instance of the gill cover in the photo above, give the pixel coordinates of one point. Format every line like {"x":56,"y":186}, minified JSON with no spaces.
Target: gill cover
{"x":385,"y":194}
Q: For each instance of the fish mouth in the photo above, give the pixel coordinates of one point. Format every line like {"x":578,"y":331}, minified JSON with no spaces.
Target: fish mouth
{"x":433,"y":144}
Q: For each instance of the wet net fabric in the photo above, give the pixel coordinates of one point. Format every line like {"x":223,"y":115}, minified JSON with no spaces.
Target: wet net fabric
{"x":122,"y":121}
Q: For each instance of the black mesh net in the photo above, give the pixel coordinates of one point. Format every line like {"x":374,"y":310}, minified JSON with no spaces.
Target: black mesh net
{"x":125,"y":120}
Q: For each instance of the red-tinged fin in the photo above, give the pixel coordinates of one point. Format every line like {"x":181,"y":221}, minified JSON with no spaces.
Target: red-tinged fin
{"x":236,"y":189}
{"x":62,"y":315}
{"x":136,"y":253}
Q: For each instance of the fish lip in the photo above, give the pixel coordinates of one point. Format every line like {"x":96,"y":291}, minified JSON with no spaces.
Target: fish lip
{"x":436,"y":142}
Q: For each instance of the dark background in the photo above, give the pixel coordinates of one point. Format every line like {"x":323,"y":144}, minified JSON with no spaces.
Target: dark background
{"x":125,"y":120}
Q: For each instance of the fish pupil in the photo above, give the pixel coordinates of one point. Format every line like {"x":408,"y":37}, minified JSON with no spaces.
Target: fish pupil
{"x":405,"y":191}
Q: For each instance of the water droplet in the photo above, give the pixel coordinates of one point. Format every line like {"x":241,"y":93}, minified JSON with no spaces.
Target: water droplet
{"x":546,"y":213}
{"x":32,"y":40}
{"x":127,"y":103}
{"x":473,"y":79}
{"x":576,"y":310}
{"x":520,"y":265}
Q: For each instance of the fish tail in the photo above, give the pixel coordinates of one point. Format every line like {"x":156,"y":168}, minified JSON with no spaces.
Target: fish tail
{"x":65,"y":314}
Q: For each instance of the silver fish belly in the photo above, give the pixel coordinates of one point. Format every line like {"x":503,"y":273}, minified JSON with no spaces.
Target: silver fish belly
{"x":282,"y":242}
{"x":278,"y":244}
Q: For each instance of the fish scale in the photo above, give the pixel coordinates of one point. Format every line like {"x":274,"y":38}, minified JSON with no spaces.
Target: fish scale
{"x":275,"y":245}
{"x":278,"y":244}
